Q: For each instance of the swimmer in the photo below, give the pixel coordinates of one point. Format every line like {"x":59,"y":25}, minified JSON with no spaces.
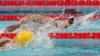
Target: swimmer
{"x":41,"y":20}
{"x":6,"y":43}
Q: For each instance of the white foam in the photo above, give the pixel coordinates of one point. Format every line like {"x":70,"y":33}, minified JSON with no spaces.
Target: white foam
{"x":83,"y":20}
{"x":41,"y":40}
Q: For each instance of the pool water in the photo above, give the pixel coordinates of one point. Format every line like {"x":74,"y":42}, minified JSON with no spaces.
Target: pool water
{"x":62,"y":47}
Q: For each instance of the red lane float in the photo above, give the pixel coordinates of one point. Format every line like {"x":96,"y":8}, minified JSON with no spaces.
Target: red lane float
{"x":60,"y":35}
{"x":10,"y":17}
{"x":18,"y":17}
{"x":9,"y":35}
{"x":77,"y":35}
{"x":49,"y":2}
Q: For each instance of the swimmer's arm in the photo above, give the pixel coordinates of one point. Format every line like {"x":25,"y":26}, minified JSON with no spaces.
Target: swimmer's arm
{"x":11,"y":28}
{"x":58,"y":17}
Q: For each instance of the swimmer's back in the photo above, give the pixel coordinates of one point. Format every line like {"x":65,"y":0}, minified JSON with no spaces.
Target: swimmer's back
{"x":35,"y":18}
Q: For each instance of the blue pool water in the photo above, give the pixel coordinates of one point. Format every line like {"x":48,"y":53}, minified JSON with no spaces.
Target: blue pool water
{"x":62,"y":47}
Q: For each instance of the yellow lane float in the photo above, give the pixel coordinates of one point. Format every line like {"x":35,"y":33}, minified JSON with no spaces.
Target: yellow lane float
{"x":23,"y":37}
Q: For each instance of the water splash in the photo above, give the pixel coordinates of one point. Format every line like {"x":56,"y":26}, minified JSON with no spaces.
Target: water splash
{"x":83,"y":21}
{"x":41,"y":39}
